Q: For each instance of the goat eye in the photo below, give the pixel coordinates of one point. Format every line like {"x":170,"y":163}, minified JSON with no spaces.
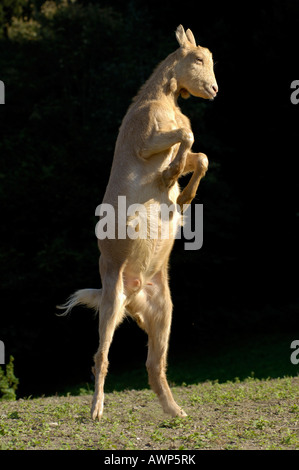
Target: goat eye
{"x":199,"y":60}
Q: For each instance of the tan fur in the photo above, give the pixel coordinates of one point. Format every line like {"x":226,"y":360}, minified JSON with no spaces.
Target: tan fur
{"x":153,"y":150}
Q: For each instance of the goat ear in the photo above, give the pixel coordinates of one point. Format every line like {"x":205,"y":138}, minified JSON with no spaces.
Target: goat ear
{"x":181,"y":36}
{"x":191,"y":37}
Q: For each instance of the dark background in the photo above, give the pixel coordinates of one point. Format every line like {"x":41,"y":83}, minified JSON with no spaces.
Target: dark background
{"x":70,"y":71}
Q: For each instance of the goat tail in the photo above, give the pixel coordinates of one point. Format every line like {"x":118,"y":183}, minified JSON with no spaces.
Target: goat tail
{"x":88,"y":297}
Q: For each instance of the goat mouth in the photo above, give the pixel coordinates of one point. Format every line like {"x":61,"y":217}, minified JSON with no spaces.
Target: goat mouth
{"x":211,"y":93}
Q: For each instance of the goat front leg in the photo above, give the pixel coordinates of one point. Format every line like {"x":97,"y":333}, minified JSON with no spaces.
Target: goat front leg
{"x":198,"y":163}
{"x":176,"y":167}
{"x":160,"y":141}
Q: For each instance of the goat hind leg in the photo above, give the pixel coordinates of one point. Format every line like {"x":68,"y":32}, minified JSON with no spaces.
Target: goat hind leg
{"x":111,"y":313}
{"x":158,"y":329}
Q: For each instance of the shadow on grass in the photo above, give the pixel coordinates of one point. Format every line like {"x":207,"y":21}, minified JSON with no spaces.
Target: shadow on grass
{"x":260,"y":356}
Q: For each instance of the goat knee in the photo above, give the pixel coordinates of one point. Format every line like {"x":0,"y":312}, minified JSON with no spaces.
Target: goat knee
{"x":187,"y":137}
{"x":202,"y":163}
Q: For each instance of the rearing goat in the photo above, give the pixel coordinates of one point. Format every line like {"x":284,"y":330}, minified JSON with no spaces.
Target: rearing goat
{"x":152,"y":151}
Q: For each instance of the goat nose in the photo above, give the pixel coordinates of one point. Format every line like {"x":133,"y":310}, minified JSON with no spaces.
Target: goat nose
{"x":215,"y":88}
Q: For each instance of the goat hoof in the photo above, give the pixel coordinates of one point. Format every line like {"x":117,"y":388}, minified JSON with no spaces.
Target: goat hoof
{"x":97,"y":409}
{"x":182,"y":200}
{"x":168,"y":178}
{"x":179,"y":413}
{"x":95,"y":414}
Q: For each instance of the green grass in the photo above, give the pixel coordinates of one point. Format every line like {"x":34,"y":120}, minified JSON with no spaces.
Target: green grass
{"x":241,"y":396}
{"x":249,"y":414}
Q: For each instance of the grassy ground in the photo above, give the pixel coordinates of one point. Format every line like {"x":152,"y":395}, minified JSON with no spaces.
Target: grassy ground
{"x":240,"y":395}
{"x":249,"y":414}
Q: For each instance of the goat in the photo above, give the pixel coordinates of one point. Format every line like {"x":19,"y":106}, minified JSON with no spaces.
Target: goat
{"x":152,"y":151}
